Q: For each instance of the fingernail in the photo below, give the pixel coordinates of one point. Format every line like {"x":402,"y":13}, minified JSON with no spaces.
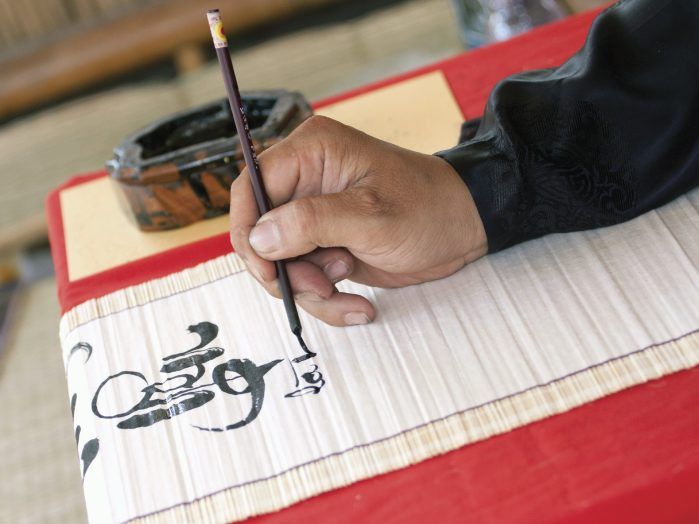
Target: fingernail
{"x":336,"y":270}
{"x":355,"y":319}
{"x":265,"y":237}
{"x":308,"y":295}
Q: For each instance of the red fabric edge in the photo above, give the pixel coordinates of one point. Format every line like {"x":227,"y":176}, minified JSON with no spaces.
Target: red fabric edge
{"x":629,"y":457}
{"x":54,"y":219}
{"x":576,"y":27}
{"x":70,"y":294}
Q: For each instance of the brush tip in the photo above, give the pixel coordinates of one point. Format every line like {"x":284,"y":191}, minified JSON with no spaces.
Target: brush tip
{"x":300,"y":339}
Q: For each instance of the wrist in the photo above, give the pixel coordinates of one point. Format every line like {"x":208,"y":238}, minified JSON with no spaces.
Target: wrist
{"x":464,"y":214}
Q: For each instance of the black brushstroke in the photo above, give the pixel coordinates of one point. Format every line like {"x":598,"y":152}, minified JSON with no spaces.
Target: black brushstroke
{"x":307,"y":352}
{"x":73,"y":400}
{"x":191,"y":398}
{"x":197,"y":360}
{"x":207,"y":331}
{"x":253,"y":376}
{"x":184,"y":388}
{"x":95,"y":398}
{"x":183,"y":391}
{"x":315,"y":381}
{"x":89,"y":453}
{"x":79,"y":347}
{"x":296,"y":376}
{"x":91,"y":448}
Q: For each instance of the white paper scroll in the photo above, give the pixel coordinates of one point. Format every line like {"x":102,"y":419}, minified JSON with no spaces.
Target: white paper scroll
{"x":510,"y":322}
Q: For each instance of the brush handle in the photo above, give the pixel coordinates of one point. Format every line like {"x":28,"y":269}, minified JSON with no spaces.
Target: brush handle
{"x":243,"y":129}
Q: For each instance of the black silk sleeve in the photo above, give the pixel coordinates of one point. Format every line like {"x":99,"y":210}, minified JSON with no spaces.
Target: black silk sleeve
{"x":607,"y":136}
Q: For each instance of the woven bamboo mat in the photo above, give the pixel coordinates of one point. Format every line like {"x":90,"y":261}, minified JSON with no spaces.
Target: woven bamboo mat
{"x":510,"y":339}
{"x":40,"y":477}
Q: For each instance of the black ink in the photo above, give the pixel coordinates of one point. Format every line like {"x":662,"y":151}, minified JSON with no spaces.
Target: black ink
{"x":194,"y":400}
{"x":181,"y":393}
{"x":196,"y":360}
{"x":84,"y":346}
{"x":91,"y":448}
{"x":315,"y":380}
{"x":206,"y":331}
{"x":89,"y":453}
{"x":296,"y":377}
{"x":307,"y":352}
{"x":253,"y":376}
{"x":188,"y":396}
{"x":186,"y":389}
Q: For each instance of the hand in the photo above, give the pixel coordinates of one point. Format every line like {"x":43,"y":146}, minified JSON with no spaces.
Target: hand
{"x":349,"y":206}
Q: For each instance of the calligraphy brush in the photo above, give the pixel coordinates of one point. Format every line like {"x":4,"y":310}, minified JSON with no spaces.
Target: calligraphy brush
{"x":258,"y":188}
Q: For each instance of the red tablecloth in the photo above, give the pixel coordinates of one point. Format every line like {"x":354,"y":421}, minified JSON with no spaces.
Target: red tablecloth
{"x":630,"y":457}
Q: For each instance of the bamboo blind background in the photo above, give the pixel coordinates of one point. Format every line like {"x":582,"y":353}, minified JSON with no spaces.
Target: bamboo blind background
{"x":31,"y":19}
{"x":28,"y":19}
{"x":78,"y":136}
{"x":40,"y":480}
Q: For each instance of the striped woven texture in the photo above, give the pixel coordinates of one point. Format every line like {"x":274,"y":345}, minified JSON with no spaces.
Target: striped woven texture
{"x":511,"y":339}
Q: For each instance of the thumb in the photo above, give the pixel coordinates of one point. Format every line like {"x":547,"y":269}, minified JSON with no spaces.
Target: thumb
{"x":343,"y":219}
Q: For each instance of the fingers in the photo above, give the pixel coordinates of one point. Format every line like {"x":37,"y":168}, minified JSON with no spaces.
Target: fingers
{"x":314,"y":293}
{"x":336,"y":263}
{"x":298,"y":227}
{"x":341,"y":309}
{"x":308,"y":282}
{"x":376,"y":277}
{"x":293,"y":168}
{"x":296,"y":171}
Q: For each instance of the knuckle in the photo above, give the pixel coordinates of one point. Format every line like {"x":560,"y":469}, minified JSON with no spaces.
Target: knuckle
{"x":316,"y":123}
{"x":238,"y":235}
{"x":371,"y":202}
{"x":305,"y":217}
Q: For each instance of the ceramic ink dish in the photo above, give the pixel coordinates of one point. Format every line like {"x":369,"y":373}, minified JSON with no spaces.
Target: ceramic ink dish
{"x":178,"y":170}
